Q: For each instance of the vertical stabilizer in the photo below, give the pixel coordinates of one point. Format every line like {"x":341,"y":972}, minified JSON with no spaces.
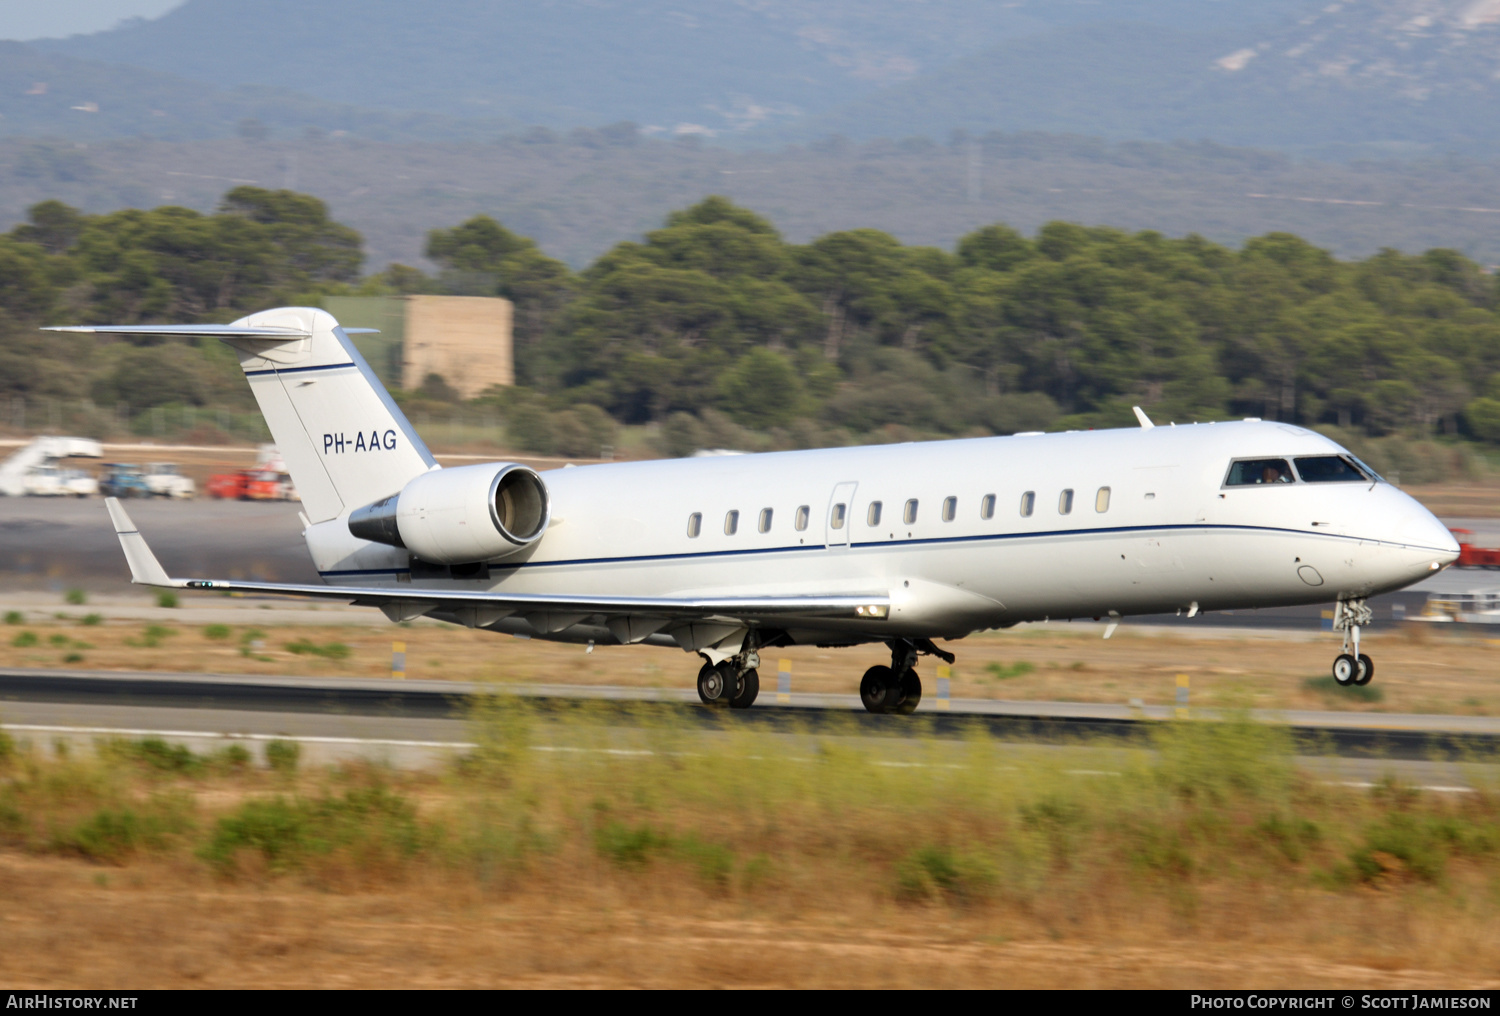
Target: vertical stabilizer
{"x":345,"y":441}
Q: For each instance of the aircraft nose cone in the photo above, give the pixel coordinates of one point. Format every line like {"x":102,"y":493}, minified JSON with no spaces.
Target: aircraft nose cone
{"x":1423,"y":530}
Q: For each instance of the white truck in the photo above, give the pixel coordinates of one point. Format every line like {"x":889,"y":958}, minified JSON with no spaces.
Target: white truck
{"x":34,"y":471}
{"x":164,"y":479}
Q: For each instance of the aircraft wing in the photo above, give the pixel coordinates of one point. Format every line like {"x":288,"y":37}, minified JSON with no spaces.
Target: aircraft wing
{"x":146,"y":570}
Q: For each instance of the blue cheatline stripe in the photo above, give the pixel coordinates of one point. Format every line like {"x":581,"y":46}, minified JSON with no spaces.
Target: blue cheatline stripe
{"x":298,"y":370}
{"x":979,"y":538}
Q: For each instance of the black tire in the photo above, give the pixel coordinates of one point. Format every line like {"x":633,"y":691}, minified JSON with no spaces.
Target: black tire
{"x":1345,"y":670}
{"x":911,"y":693}
{"x":746,"y":691}
{"x":878,"y":688}
{"x":715,"y":684}
{"x":1366,"y":670}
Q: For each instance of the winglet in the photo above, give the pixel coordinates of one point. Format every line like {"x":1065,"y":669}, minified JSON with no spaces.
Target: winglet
{"x":1140,"y":414}
{"x":145,"y":569}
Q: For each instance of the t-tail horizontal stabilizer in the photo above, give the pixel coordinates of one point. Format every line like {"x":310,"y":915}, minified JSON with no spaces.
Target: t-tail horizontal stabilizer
{"x":145,"y":569}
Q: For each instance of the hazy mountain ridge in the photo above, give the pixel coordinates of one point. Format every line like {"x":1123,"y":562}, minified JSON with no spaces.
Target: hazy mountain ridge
{"x":677,"y":65}
{"x":1348,"y":78}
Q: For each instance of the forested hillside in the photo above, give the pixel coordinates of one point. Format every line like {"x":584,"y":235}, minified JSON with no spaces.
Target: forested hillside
{"x":719,"y":331}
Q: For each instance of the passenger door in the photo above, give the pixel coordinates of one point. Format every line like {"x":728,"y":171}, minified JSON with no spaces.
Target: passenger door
{"x":836,"y":520}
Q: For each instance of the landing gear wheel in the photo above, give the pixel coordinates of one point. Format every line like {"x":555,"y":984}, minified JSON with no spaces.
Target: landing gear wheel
{"x":747,"y":689}
{"x":878,"y":689}
{"x":1345,"y":670}
{"x":715,"y":684}
{"x":911,"y":693}
{"x":1366,"y":670}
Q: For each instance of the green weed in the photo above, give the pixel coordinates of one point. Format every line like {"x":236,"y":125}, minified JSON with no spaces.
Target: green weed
{"x":25,"y":640}
{"x":91,"y":619}
{"x":1004,"y":672}
{"x":14,"y":617}
{"x":934,"y":871}
{"x":329,"y":651}
{"x":151,"y":637}
{"x":76,"y":597}
{"x":154,"y":754}
{"x":217,"y":631}
{"x":286,"y":832}
{"x":166,"y":598}
{"x":629,"y":846}
{"x":283,"y":756}
{"x":1326,"y":685}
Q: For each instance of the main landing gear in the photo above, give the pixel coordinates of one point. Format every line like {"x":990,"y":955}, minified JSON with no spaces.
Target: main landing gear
{"x":734,"y":682}
{"x":897,"y":688}
{"x":1352,"y":667}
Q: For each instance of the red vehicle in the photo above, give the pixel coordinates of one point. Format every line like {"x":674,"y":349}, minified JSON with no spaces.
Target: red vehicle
{"x":251,"y":485}
{"x":1470,"y":556}
{"x":229,"y":486}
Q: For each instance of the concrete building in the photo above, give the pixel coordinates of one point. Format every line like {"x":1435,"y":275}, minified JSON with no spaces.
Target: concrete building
{"x":465,"y":340}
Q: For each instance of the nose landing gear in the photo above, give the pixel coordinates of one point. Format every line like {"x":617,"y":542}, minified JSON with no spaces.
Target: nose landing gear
{"x":1351,"y":667}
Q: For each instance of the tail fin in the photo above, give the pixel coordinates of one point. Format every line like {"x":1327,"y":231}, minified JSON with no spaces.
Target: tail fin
{"x":345,"y":441}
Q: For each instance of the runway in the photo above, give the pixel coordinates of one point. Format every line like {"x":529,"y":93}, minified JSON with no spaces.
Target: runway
{"x":416,"y":724}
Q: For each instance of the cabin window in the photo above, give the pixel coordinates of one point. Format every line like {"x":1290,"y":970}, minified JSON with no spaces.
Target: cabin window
{"x":909,"y":514}
{"x":873,"y":515}
{"x":1101,"y":500}
{"x":950,"y":508}
{"x":695,"y":525}
{"x":836,"y":518}
{"x":765,"y":520}
{"x":731,"y":523}
{"x":1330,"y":469}
{"x":1065,"y":502}
{"x":1259,"y":472}
{"x":1028,"y":504}
{"x":803,"y":514}
{"x":987,"y":507}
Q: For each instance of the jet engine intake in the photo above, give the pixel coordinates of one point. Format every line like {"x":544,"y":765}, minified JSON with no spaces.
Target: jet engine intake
{"x":460,"y":515}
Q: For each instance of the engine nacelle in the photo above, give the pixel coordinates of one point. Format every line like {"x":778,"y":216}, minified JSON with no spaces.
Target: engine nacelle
{"x":460,"y":515}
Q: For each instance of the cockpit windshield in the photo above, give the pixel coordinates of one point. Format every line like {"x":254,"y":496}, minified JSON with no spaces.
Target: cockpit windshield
{"x":1331,"y":469}
{"x":1255,"y":472}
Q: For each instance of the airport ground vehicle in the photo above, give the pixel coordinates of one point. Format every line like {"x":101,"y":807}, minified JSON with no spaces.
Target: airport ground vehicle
{"x":1470,"y":556}
{"x":33,"y":470}
{"x":164,"y":479}
{"x":898,"y":544}
{"x":123,"y":479}
{"x":252,"y":485}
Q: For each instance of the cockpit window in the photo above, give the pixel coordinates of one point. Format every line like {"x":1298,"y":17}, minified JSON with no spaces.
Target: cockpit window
{"x":1255,"y":472}
{"x":1330,"y":469}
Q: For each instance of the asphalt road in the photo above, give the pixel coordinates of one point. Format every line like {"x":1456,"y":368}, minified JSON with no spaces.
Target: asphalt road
{"x":436,"y":711}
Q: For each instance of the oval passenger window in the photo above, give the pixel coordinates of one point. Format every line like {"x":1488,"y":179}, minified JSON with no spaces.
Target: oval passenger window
{"x":1101,"y":500}
{"x":695,"y":525}
{"x":731,"y":523}
{"x":836,"y":520}
{"x":1065,"y":502}
{"x":987,"y":507}
{"x":803,"y":514}
{"x":873,"y":515}
{"x":1028,"y":504}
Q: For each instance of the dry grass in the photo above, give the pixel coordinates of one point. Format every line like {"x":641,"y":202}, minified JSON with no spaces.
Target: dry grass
{"x":745,"y":859}
{"x":1425,"y":670}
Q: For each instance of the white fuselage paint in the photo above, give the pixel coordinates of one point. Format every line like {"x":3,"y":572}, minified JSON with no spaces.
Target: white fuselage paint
{"x":1172,"y":536}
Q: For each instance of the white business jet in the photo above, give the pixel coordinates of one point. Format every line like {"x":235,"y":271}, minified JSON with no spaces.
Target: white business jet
{"x":728,"y":556}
